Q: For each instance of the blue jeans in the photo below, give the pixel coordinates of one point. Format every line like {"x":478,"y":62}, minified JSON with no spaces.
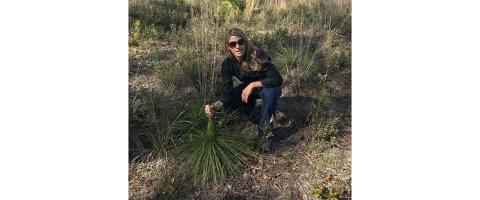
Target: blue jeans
{"x":269,"y":98}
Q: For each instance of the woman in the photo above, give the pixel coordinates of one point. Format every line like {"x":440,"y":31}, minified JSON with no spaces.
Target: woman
{"x":261,"y":80}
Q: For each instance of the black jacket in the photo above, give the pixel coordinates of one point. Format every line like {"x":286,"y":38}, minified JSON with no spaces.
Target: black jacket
{"x":268,"y":75}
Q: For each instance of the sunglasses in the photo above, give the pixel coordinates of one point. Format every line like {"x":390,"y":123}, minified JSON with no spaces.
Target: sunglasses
{"x":240,"y":42}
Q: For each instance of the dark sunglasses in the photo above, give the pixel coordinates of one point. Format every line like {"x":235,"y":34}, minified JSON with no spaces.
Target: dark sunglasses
{"x":240,"y":42}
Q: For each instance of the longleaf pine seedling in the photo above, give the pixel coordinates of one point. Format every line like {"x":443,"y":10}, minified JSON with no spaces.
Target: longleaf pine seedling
{"x":210,"y":155}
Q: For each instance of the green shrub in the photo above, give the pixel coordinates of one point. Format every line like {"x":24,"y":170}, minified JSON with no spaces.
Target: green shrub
{"x":134,"y":33}
{"x":236,"y":4}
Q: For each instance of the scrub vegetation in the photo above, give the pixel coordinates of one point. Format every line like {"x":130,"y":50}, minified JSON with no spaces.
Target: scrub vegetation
{"x":176,"y":152}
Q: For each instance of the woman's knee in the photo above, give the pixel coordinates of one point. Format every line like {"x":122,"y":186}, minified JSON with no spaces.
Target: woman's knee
{"x":271,"y":93}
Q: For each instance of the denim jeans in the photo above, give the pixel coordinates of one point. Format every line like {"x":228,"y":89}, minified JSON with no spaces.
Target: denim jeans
{"x":269,"y":98}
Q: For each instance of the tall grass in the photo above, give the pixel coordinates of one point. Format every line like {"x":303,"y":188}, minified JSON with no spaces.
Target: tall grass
{"x":149,"y":121}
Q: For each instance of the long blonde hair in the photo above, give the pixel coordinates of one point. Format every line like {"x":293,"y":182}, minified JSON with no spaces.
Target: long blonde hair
{"x":250,"y":59}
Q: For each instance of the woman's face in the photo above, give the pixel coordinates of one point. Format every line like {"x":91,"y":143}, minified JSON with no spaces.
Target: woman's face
{"x":236,"y":45}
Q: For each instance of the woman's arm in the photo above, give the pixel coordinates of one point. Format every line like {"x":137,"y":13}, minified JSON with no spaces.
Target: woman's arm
{"x":248,"y":90}
{"x":227,"y":89}
{"x":227,"y":81}
{"x":272,"y":79}
{"x":272,"y":76}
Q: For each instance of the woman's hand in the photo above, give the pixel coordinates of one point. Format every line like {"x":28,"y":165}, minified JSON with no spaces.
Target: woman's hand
{"x":246,"y":92}
{"x":210,"y":109}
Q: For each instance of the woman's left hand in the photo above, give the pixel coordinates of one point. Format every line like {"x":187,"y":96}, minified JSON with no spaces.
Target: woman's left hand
{"x":246,"y":92}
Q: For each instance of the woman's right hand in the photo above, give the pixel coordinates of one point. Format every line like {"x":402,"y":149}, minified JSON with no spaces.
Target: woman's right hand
{"x":208,"y":111}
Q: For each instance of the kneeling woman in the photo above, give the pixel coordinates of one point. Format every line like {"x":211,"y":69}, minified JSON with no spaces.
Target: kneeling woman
{"x":260,"y":79}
